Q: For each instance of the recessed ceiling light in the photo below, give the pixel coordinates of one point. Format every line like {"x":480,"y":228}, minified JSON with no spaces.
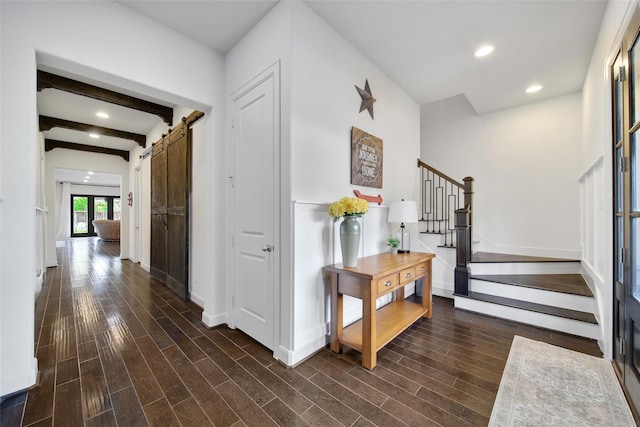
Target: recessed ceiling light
{"x":85,"y":180}
{"x":87,"y":177}
{"x":102,"y":115}
{"x":484,"y":50}
{"x":90,"y":172}
{"x":534,"y":88}
{"x":94,"y":135}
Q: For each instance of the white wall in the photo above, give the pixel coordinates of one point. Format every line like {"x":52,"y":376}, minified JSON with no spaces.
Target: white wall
{"x":325,"y":105}
{"x":523,"y":160}
{"x":268,"y":43}
{"x":596,"y":173}
{"x":80,"y":37}
{"x":319,"y":105}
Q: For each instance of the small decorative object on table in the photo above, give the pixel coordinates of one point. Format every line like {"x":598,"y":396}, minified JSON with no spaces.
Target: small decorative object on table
{"x":394,"y":244}
{"x":350,"y":208}
{"x":403,"y":211}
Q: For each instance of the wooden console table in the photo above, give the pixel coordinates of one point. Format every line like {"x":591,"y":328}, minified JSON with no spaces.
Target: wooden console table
{"x":374,"y":277}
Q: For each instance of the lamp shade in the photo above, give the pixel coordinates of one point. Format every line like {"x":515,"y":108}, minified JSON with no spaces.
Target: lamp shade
{"x":403,"y":211}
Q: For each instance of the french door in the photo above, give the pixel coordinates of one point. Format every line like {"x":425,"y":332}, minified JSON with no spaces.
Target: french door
{"x":626,"y":210}
{"x":84,"y":209}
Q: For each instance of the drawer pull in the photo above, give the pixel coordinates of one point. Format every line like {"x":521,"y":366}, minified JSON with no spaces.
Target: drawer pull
{"x":421,"y":269}
{"x":406,"y":276}
{"x":388,"y":283}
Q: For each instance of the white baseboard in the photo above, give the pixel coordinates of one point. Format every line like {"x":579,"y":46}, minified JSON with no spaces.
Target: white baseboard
{"x":212,"y":320}
{"x":283,"y":355}
{"x":197,"y":299}
{"x":445,"y":293}
{"x":145,"y":267}
{"x":10,"y":385}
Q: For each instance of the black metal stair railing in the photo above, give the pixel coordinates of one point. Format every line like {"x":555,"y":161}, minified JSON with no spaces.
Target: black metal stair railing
{"x":442,"y":200}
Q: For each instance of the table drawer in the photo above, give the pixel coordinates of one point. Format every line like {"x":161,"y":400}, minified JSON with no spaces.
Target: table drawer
{"x":407,"y":275}
{"x":421,"y":269}
{"x":387,"y":283}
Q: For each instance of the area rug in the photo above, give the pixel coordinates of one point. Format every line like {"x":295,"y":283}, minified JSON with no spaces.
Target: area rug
{"x":546,"y":385}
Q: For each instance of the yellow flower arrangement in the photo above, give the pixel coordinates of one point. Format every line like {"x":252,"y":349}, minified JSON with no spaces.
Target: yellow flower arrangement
{"x":348,"y":206}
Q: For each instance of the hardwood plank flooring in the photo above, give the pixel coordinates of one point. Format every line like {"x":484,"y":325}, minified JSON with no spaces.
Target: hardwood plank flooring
{"x":116,"y":348}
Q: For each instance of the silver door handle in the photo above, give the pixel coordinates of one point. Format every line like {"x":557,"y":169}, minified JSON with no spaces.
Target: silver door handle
{"x":267,"y":248}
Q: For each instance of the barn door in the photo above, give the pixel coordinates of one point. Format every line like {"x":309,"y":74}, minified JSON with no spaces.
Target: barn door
{"x":159,"y":212}
{"x":170,"y":201}
{"x":178,"y":190}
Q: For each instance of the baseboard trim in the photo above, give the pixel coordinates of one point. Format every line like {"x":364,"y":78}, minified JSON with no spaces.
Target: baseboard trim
{"x":22,"y":382}
{"x":213,"y":320}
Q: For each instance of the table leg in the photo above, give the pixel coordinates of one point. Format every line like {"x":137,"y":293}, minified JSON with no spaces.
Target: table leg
{"x":336,"y":315}
{"x":427,"y":302}
{"x":369,"y":331}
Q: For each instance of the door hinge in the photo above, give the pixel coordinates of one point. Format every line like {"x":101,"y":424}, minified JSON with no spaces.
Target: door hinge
{"x":232,"y":182}
{"x":233,"y":123}
{"x":623,"y":74}
{"x":621,"y":348}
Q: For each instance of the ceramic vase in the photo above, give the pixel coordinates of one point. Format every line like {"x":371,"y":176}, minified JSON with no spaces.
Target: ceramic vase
{"x":350,"y":241}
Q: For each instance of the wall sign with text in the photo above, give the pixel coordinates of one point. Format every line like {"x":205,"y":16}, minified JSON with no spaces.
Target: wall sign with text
{"x":366,"y":159}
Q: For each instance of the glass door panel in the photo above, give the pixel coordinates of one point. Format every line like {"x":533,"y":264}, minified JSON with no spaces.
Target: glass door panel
{"x":80,"y":215}
{"x":634,"y":64}
{"x":100,"y":208}
{"x":117,"y":208}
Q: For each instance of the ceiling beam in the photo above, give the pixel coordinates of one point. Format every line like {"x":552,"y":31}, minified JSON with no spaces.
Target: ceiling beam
{"x":50,"y":144}
{"x":47,"y":123}
{"x":52,"y":81}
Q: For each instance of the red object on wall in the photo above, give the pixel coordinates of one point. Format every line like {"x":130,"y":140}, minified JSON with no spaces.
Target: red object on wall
{"x":130,"y":199}
{"x":377,"y":199}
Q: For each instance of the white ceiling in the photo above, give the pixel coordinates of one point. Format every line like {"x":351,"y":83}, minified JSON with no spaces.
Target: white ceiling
{"x":425,"y":46}
{"x":75,"y":176}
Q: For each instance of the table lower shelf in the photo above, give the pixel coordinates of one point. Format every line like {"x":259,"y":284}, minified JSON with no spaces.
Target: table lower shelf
{"x":391,"y":320}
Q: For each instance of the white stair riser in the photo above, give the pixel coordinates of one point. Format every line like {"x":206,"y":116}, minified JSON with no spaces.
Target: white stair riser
{"x":570,"y":326}
{"x":539,"y":296}
{"x":486,"y":268}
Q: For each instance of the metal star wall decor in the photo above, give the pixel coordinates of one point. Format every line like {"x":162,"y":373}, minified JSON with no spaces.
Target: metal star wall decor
{"x":367,"y":99}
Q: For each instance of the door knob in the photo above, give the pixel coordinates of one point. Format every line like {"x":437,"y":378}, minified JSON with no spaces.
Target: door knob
{"x":267,"y":248}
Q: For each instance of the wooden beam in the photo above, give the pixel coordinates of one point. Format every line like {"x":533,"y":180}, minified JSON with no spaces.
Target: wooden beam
{"x":50,"y":144}
{"x":52,"y":81}
{"x":46,"y":123}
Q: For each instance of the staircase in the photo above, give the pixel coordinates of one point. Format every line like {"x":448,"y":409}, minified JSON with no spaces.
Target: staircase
{"x":545,"y":292}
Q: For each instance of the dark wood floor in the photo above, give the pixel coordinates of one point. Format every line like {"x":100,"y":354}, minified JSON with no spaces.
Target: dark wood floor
{"x":117,"y":348}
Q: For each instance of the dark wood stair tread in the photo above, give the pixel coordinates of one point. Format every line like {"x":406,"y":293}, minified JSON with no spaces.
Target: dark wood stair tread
{"x":572,"y":284}
{"x":486,"y":257}
{"x":530,"y":306}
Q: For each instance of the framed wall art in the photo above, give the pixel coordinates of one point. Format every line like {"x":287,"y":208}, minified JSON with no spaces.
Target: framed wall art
{"x":366,"y":159}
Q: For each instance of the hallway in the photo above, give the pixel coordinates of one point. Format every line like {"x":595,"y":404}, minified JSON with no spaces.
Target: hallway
{"x":117,"y":348}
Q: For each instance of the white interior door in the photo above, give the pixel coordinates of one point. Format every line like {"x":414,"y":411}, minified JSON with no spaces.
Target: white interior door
{"x":255,"y":131}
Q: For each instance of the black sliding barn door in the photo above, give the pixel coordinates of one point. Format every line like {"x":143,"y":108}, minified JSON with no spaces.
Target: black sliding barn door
{"x":170,"y":191}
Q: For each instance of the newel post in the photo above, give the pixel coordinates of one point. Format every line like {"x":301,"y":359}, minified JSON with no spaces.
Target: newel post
{"x":468,"y":204}
{"x":463,"y":251}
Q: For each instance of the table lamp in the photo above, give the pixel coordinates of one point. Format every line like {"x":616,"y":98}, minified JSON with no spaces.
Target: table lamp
{"x":404,"y":211}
